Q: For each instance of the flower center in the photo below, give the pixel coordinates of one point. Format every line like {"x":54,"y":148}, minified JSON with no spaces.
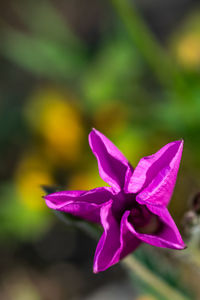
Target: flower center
{"x":140,"y":217}
{"x":121,"y":203}
{"x":143,"y":220}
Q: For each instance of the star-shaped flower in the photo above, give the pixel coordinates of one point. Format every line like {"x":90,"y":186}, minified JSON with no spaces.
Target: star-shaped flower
{"x":134,"y":208}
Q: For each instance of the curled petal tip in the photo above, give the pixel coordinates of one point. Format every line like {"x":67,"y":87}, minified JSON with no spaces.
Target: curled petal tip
{"x":178,"y":143}
{"x":94,"y":130}
{"x":181,"y":247}
{"x":181,"y":141}
{"x":95,"y":270}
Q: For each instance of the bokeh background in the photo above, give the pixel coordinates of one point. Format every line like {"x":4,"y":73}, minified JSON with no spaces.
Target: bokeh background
{"x":131,"y":69}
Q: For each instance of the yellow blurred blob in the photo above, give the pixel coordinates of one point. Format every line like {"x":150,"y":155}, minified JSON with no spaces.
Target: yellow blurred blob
{"x":30,"y":176}
{"x":86,"y":181}
{"x":185,"y":41}
{"x":133,"y":144}
{"x":188,"y":50}
{"x":58,"y":122}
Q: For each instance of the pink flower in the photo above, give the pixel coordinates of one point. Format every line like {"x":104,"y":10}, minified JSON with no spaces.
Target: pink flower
{"x":134,"y":208}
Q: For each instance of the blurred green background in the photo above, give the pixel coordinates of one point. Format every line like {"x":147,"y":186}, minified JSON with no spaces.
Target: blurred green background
{"x":131,"y":69}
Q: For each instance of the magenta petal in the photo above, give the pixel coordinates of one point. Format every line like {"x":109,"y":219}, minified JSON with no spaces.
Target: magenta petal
{"x":107,"y":251}
{"x":170,"y":231}
{"x":113,"y":166}
{"x":116,"y":242}
{"x":83,"y":204}
{"x":167,"y":237}
{"x":155,"y":176}
{"x":128,"y":241}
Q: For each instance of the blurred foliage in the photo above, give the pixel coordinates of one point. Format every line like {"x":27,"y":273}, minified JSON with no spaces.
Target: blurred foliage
{"x":49,"y":49}
{"x":167,"y":271}
{"x":121,"y":82}
{"x":114,"y":72}
{"x":18,"y":220}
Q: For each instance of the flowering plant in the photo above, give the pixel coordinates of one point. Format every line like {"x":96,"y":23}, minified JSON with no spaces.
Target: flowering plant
{"x":134,"y":208}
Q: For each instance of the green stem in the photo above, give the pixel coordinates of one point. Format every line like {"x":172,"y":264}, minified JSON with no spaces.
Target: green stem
{"x":163,"y":288}
{"x":148,"y":46}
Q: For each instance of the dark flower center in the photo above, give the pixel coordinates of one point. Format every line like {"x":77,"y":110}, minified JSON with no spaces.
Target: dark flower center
{"x":140,"y":217}
{"x":143,"y":220}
